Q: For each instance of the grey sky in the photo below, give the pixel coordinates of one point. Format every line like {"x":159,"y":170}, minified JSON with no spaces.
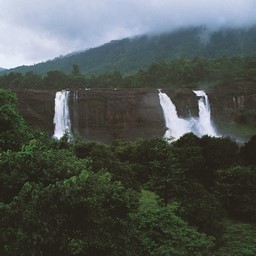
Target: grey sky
{"x":37,"y":30}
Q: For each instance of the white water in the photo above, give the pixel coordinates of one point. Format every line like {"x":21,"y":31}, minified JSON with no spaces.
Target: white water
{"x":75,"y":111}
{"x":204,"y":124}
{"x":176,"y":126}
{"x":61,"y":117}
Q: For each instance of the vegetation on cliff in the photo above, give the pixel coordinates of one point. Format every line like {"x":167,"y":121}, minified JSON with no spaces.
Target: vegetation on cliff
{"x":196,"y":196}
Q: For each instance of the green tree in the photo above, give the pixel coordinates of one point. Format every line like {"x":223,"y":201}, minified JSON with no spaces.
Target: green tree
{"x":162,"y":232}
{"x":75,"y":70}
{"x":39,"y":163}
{"x":189,"y":154}
{"x":86,"y":214}
{"x":55,"y":79}
{"x":170,"y":179}
{"x":239,"y":239}
{"x":217,"y":153}
{"x":13,"y":131}
{"x":248,"y":151}
{"x":104,"y":158}
{"x":201,"y":208}
{"x":236,"y":189}
{"x":31,"y":80}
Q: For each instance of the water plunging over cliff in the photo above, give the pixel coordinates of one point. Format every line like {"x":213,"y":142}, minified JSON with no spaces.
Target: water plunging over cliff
{"x":176,"y":126}
{"x":61,"y":117}
{"x":179,"y":126}
{"x":75,"y":112}
{"x":204,"y":124}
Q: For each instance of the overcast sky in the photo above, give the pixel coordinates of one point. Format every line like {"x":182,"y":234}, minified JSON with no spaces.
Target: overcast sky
{"x":38,"y":30}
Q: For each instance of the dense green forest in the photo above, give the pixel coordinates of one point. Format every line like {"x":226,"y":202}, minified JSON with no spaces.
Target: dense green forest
{"x":196,"y":196}
{"x":199,"y":71}
{"x":131,"y":54}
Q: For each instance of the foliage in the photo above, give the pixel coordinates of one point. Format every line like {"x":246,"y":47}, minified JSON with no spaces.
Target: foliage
{"x":162,"y":232}
{"x":86,"y":214}
{"x":236,"y":189}
{"x":105,"y":159}
{"x":201,"y":209}
{"x":33,"y":164}
{"x":219,"y":152}
{"x":248,"y":151}
{"x":189,"y":152}
{"x":239,"y":239}
{"x":13,"y":131}
{"x":171,"y":180}
{"x":146,"y":197}
{"x":175,"y":73}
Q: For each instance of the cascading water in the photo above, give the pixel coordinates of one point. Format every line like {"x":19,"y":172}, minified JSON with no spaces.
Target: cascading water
{"x":179,"y":126}
{"x":204,"y":124}
{"x":176,"y":126}
{"x":75,"y":111}
{"x":61,"y":117}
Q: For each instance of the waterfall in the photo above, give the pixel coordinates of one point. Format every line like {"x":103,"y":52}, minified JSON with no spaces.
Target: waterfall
{"x":176,"y":126}
{"x":179,"y":126}
{"x":75,"y":112}
{"x":204,"y":124}
{"x":61,"y":117}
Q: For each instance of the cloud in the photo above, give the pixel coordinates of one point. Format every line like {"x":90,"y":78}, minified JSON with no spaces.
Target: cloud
{"x":34,"y":31}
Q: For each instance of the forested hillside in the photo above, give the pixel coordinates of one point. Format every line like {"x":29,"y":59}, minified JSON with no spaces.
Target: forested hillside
{"x":193,"y":197}
{"x":197,"y":72}
{"x":131,"y":54}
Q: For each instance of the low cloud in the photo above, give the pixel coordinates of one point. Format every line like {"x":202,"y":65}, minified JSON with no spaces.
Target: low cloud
{"x":34,"y":31}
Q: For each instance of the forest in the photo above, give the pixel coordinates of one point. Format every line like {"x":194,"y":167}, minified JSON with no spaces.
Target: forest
{"x":195,"y":196}
{"x":196,"y":72}
{"x":128,"y":55}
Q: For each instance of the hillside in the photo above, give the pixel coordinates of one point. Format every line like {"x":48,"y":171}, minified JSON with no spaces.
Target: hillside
{"x":131,"y":54}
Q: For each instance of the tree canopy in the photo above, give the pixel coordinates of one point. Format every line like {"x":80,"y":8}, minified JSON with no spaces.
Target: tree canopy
{"x":234,"y":71}
{"x":146,"y":197}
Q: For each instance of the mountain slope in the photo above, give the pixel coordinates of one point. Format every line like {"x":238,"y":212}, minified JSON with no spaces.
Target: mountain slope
{"x":129,"y":55}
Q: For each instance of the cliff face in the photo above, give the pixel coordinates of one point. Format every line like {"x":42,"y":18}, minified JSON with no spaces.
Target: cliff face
{"x":108,"y":114}
{"x":37,"y":108}
{"x":98,"y":114}
{"x":232,"y":105}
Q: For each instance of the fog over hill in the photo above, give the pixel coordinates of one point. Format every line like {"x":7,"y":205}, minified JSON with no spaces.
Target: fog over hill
{"x":41,"y":30}
{"x":131,"y":54}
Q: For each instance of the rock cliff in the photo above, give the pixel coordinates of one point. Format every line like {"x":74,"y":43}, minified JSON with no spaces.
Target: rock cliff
{"x":109,"y":114}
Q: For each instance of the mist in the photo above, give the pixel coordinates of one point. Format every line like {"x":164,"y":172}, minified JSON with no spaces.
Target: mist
{"x":35,"y":31}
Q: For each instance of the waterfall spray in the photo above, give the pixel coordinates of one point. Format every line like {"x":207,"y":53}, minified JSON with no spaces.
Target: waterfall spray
{"x":176,"y":126}
{"x":75,"y":111}
{"x":204,"y":125}
{"x":61,"y":117}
